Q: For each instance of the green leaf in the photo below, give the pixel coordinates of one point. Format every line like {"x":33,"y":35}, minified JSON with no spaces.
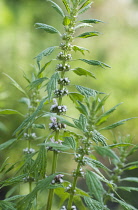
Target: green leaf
{"x":82,"y":25}
{"x":3,"y":165}
{"x":98,"y":137}
{"x":102,"y":118}
{"x":40,"y":126}
{"x":37,"y":82}
{"x":39,"y":165}
{"x":95,"y":163}
{"x":124,"y":204}
{"x":106,"y":152}
{"x":82,"y":108}
{"x":85,"y":4}
{"x":45,"y":52}
{"x":65,"y":2}
{"x":62,"y":120}
{"x":47,"y":28}
{"x":6,"y":205}
{"x":52,"y":84}
{"x":94,"y":185}
{"x":91,"y":21}
{"x":9,"y":111}
{"x":43,"y":68}
{"x":87,"y":92}
{"x":70,"y":142}
{"x":11,"y":181}
{"x":66,"y":21}
{"x":95,"y":63}
{"x":81,"y":49}
{"x":57,"y":8}
{"x":89,"y":34}
{"x":93,"y":204}
{"x":15,"y":84}
{"x":26,"y":202}
{"x":129,"y":189}
{"x":56,"y":146}
{"x":130,"y":179}
{"x":84,"y":9}
{"x":83,"y":72}
{"x":120,"y":145}
{"x":7,"y":144}
{"x":81,"y":123}
{"x":29,"y":120}
{"x":75,"y":97}
{"x":114,"y":125}
{"x":14,"y":197}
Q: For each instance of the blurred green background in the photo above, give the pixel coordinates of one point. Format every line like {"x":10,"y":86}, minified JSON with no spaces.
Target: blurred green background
{"x":20,"y":42}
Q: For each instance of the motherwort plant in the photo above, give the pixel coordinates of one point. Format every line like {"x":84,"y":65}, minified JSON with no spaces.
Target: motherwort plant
{"x":80,"y":139}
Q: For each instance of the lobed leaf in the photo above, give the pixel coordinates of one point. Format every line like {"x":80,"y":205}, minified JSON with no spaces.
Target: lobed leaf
{"x":87,"y":92}
{"x":45,"y":52}
{"x":106,"y":152}
{"x":89,"y":34}
{"x":98,"y":137}
{"x":93,"y":204}
{"x":95,"y":63}
{"x":81,"y":123}
{"x":95,"y":163}
{"x":70,"y":142}
{"x":94,"y":185}
{"x":52,"y":84}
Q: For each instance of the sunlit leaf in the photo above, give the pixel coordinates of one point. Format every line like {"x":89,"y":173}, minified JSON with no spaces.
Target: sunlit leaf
{"x":75,"y":97}
{"x":129,"y":189}
{"x":66,"y":21}
{"x":80,"y":49}
{"x":65,"y":2}
{"x":83,"y":72}
{"x":89,"y":34}
{"x":47,"y":28}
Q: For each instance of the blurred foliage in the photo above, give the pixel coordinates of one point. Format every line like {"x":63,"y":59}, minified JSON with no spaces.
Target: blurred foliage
{"x":20,"y":42}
